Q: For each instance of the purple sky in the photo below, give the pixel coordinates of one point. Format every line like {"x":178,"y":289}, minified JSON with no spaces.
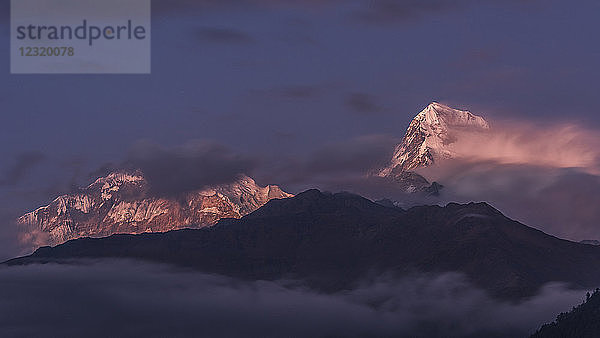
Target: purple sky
{"x":272,"y":79}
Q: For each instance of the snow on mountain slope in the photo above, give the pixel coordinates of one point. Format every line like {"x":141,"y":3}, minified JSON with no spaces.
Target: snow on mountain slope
{"x":430,"y":136}
{"x":121,"y":203}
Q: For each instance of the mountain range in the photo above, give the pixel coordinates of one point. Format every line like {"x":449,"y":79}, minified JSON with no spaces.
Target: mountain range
{"x":121,"y":202}
{"x":334,"y":241}
{"x":324,"y":242}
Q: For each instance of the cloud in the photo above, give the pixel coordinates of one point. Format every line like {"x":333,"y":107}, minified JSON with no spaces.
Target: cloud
{"x":298,"y":91}
{"x":363,"y":103}
{"x":520,"y":142}
{"x":394,"y":11}
{"x":357,"y":155}
{"x":21,"y":166}
{"x":222,"y":35}
{"x":10,"y":245}
{"x":203,"y":6}
{"x":333,"y":165}
{"x":363,"y":11}
{"x":295,"y":91}
{"x":192,"y":166}
{"x":388,"y":11}
{"x":126,"y":298}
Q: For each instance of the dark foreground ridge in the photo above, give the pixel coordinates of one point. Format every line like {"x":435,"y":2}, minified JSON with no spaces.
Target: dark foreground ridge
{"x":582,"y":321}
{"x":332,"y":241}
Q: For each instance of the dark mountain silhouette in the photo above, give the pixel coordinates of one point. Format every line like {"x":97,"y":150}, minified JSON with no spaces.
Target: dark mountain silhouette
{"x":333,"y":241}
{"x":582,"y":321}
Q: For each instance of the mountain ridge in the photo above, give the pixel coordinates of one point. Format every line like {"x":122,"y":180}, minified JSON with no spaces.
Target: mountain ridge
{"x":332,"y":241}
{"x":121,"y":202}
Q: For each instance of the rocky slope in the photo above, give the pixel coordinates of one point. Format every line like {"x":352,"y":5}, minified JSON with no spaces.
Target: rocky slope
{"x":333,"y":241}
{"x":121,"y":203}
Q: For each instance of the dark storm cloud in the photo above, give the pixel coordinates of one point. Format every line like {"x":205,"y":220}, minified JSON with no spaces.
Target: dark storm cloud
{"x":125,"y":298}
{"x":189,"y":167}
{"x":222,"y":35}
{"x":22,"y":164}
{"x":363,"y":103}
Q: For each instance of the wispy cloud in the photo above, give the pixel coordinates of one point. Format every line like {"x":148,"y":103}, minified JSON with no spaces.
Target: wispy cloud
{"x":22,"y":164}
{"x":223,"y":35}
{"x":334,"y":166}
{"x":523,"y":142}
{"x":363,"y":103}
{"x":388,"y":11}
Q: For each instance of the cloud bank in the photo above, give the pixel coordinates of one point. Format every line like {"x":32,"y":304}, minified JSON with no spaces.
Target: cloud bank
{"x":126,"y":298}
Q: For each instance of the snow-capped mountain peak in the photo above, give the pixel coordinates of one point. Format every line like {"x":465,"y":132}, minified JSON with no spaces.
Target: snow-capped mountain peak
{"x":441,"y":117}
{"x":121,"y":203}
{"x":429,"y":137}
